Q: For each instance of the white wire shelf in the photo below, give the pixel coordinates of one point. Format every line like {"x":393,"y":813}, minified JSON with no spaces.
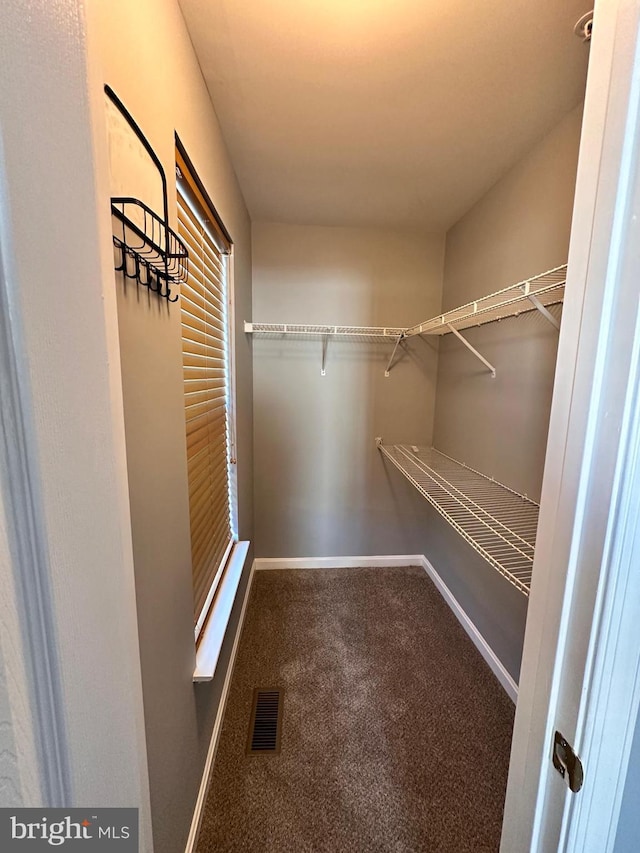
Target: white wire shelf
{"x":497,"y":522}
{"x":361,"y":333}
{"x":534,"y":293}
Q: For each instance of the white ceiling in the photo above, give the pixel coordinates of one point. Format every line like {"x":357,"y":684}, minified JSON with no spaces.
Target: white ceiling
{"x":383,"y":112}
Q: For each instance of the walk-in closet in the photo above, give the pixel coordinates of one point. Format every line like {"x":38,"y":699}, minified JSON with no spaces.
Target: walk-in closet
{"x":345,"y":417}
{"x":404,"y":357}
{"x":410,"y":182}
{"x":403,"y":376}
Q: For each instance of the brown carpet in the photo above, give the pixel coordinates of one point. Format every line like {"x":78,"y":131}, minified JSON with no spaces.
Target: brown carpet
{"x":395,"y":735}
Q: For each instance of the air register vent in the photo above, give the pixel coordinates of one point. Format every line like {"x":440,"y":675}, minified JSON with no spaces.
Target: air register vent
{"x":266,"y":721}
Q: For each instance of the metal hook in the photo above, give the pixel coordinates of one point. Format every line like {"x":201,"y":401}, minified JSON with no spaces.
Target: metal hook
{"x":129,"y":254}
{"x":119,"y":246}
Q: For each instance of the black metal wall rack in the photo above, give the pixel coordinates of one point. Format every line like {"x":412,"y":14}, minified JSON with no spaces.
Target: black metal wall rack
{"x":148,"y":250}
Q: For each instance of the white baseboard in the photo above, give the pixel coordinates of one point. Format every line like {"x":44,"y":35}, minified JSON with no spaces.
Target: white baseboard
{"x":494,"y":663}
{"x":382,"y":561}
{"x":217,"y":726}
{"x":395,"y":560}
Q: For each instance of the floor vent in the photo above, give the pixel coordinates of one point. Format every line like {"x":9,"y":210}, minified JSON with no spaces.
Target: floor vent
{"x":266,"y":721}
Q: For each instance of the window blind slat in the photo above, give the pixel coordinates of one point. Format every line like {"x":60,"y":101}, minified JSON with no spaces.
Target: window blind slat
{"x":201,"y":281}
{"x":194,"y":410}
{"x":193,"y":232}
{"x":205,"y":313}
{"x":208,"y":355}
{"x":201,"y":428}
{"x":194,"y":240}
{"x":199,"y":439}
{"x":194,"y":339}
{"x":208,"y":525}
{"x":197,"y":299}
{"x":212,"y":477}
{"x":197,"y":398}
{"x":206,"y":431}
{"x":199,"y":384}
{"x":215,"y":386}
{"x":202,"y":589}
{"x":204,"y":357}
{"x":207,"y":346}
{"x":210,"y":556}
{"x":210,"y":272}
{"x":210,"y":508}
{"x":200,"y":284}
{"x":210,"y":529}
{"x":196,"y":466}
{"x":192,"y":323}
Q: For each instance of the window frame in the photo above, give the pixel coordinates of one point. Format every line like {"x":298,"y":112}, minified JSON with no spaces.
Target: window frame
{"x":191,"y":186}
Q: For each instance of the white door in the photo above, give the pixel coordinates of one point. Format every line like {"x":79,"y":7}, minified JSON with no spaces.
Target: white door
{"x":582,"y":643}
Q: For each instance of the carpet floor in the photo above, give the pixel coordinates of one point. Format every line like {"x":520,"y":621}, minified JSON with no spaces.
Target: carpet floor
{"x":395,"y":734}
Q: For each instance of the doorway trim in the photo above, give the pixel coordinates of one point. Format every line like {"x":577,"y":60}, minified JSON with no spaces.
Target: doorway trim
{"x":579,"y":572}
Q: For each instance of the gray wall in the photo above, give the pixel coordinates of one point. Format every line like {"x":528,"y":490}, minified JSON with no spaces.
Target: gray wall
{"x":146,"y":55}
{"x":320,"y":486}
{"x":67,"y":607}
{"x":499,"y":426}
{"x":519,"y":228}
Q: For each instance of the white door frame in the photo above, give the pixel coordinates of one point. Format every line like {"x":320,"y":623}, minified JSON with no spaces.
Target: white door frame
{"x":582,"y":652}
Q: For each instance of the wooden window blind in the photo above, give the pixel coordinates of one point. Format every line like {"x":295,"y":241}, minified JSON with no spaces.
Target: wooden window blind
{"x":205,"y":350}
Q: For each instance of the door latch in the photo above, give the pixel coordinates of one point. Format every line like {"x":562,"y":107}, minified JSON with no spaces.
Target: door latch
{"x":567,"y":763}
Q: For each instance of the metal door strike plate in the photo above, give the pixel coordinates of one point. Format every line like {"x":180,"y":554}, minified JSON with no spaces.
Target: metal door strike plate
{"x":567,"y":763}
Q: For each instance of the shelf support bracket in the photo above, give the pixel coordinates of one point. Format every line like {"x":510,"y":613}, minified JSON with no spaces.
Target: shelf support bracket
{"x":473,"y":350}
{"x":325,"y":342}
{"x":543,"y":310}
{"x":393,"y":354}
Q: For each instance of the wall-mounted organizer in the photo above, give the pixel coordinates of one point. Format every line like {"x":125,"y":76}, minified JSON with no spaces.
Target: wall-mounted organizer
{"x":148,"y":250}
{"x":537,"y":293}
{"x":496,"y":521}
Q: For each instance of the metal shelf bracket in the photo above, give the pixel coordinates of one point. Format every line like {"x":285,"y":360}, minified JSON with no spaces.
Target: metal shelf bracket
{"x":393,"y":354}
{"x":473,"y":350}
{"x":544,"y":311}
{"x":325,"y":343}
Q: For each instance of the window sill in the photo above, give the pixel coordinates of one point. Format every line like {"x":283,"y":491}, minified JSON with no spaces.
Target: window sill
{"x":214,"y":631}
